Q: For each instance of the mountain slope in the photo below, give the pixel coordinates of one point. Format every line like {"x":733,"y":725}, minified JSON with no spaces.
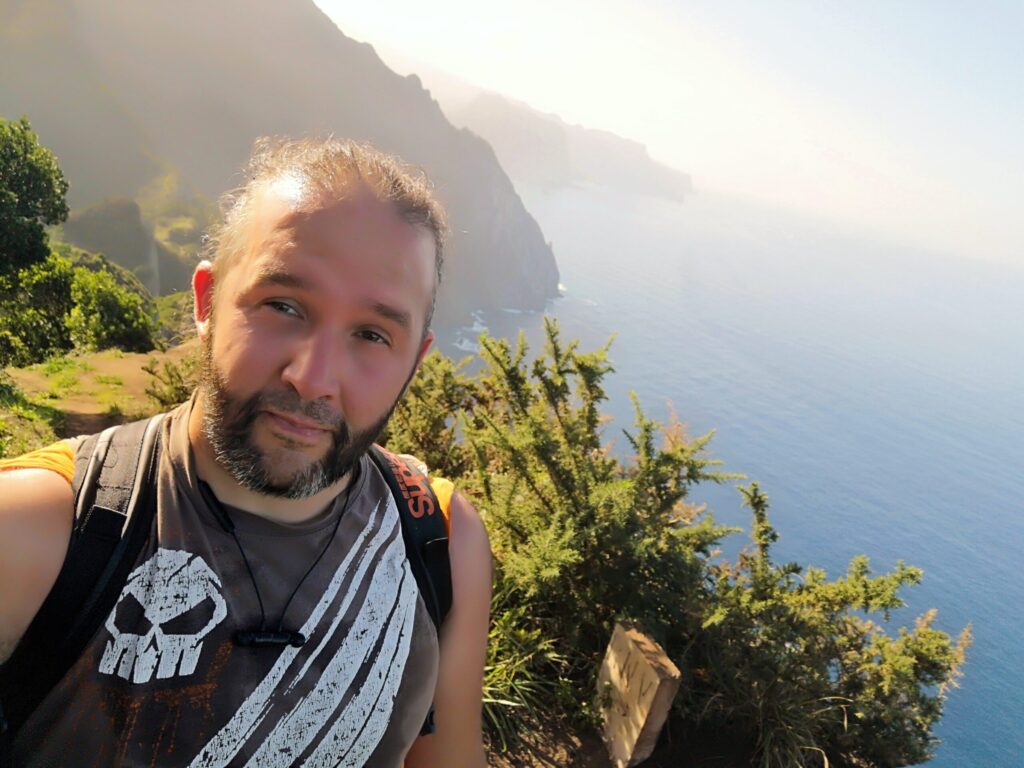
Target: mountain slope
{"x":47,"y":73}
{"x":541,"y":148}
{"x":198,"y":81}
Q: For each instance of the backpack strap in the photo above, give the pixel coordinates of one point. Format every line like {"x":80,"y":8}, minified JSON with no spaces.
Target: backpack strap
{"x":425,"y":535}
{"x":423,"y":529}
{"x":115,"y":502}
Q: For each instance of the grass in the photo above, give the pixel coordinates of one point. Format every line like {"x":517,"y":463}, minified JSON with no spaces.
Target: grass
{"x":24,"y":424}
{"x":122,"y":407}
{"x":74,"y":394}
{"x":63,"y":364}
{"x":65,"y":383}
{"x":70,"y":375}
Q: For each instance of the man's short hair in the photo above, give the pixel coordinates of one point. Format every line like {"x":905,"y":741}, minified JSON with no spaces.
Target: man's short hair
{"x":325,"y":169}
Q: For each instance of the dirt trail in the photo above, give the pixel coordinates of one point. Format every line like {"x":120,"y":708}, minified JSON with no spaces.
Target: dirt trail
{"x":99,"y":389}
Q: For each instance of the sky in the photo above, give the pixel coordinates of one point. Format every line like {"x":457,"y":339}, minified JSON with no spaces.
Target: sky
{"x":901,"y":119}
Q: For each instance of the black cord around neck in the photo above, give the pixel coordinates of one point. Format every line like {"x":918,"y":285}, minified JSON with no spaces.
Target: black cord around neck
{"x":262,"y":636}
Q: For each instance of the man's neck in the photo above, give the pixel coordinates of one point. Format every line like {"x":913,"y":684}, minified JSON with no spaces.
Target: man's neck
{"x":228,"y":491}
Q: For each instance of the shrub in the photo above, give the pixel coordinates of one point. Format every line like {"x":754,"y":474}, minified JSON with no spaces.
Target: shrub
{"x":173,"y":384}
{"x":32,"y":192}
{"x":108,"y":315}
{"x":425,"y":418}
{"x":24,"y":424}
{"x":777,"y":654}
{"x":795,"y":661}
{"x":13,"y":351}
{"x":34,"y":304}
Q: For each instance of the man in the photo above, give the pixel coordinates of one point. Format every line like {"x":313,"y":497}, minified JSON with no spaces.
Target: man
{"x":313,"y":314}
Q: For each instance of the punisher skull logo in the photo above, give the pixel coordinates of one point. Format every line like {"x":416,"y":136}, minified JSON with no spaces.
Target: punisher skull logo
{"x":168,"y":606}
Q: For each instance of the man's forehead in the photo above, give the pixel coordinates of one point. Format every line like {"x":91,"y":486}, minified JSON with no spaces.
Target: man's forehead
{"x":286,"y":221}
{"x":272,"y":212}
{"x":282,"y":206}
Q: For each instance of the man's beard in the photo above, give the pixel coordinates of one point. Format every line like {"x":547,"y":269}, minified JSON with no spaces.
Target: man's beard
{"x":228,"y":428}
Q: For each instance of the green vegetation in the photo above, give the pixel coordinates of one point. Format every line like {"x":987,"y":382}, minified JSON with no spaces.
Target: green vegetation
{"x":64,"y":364}
{"x":98,"y":262}
{"x":776,"y":656}
{"x":106,"y":315}
{"x":173,"y":383}
{"x":32,"y":191}
{"x":53,"y":301}
{"x":53,"y":306}
{"x":161,"y":253}
{"x":178,"y":217}
{"x":24,"y":425}
{"x":34,"y":304}
{"x":174,"y":317}
{"x":799,"y":667}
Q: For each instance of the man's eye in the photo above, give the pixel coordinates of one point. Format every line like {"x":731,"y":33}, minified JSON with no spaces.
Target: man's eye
{"x":283,"y":307}
{"x":373,"y":337}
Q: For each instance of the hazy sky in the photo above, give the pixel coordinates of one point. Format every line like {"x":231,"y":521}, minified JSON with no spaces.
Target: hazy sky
{"x":899,"y":117}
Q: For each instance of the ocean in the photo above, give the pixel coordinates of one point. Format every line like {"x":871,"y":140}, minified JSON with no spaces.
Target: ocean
{"x":873,"y":390}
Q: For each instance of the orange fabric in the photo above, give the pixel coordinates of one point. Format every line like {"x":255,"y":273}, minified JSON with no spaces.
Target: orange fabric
{"x":59,"y":458}
{"x":444,"y":489}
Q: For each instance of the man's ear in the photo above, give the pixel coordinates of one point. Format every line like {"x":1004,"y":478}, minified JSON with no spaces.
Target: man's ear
{"x":202,"y":294}
{"x":428,"y":339}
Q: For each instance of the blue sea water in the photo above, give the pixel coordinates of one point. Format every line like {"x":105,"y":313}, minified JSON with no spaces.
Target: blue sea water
{"x":874,"y":391}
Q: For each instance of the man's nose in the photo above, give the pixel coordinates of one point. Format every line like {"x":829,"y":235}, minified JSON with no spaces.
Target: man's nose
{"x":314,"y":369}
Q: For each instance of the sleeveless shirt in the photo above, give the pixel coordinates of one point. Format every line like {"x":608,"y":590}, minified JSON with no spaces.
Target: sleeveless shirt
{"x":163,"y":684}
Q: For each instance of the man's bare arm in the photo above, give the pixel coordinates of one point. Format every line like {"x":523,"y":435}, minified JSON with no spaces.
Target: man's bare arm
{"x":35,"y":527}
{"x":458,"y":741}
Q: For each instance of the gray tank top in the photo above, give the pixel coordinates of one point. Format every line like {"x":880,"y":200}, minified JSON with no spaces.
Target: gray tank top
{"x":163,"y":684}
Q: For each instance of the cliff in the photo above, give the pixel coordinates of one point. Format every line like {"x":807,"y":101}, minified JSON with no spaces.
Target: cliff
{"x":119,"y":90}
{"x":543,"y":149}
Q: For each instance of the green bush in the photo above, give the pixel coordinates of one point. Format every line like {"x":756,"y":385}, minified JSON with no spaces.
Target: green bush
{"x":71,"y":299}
{"x":173,"y":384}
{"x":106,"y":314}
{"x":32,"y":192}
{"x":24,"y":425}
{"x":13,"y":351}
{"x":775,"y":653}
{"x":794,"y":659}
{"x":34,"y":305}
{"x":97,"y":262}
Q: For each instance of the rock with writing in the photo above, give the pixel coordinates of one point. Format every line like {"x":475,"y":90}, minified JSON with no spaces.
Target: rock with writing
{"x":636,"y":685}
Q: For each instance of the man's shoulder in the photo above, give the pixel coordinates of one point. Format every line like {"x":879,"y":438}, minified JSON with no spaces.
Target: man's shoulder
{"x":36,"y":513}
{"x":35,"y":491}
{"x":58,"y":457}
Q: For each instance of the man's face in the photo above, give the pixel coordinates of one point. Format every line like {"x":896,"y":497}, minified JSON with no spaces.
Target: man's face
{"x":316,"y":330}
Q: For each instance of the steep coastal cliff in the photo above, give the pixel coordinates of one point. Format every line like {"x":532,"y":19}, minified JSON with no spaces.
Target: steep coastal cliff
{"x":120,"y":91}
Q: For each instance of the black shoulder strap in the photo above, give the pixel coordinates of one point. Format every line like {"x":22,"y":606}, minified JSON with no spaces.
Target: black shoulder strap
{"x":425,"y":536}
{"x":423,"y":528}
{"x":114,"y":506}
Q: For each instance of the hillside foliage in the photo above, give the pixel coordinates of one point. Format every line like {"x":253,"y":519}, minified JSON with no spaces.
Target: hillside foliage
{"x":54,"y":297}
{"x":32,"y":195}
{"x":800,"y":667}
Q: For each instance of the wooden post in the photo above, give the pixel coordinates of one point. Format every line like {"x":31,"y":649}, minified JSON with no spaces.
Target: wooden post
{"x":635,"y":686}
